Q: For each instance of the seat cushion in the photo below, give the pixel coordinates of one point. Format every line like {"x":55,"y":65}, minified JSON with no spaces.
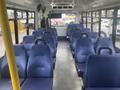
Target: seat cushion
{"x":38,"y":84}
{"x":81,"y":69}
{"x":5,"y":84}
{"x":102,"y":89}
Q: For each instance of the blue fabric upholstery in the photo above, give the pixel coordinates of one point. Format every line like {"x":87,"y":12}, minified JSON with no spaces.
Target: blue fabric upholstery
{"x":51,"y":43}
{"x":105,"y":42}
{"x":28,"y":39}
{"x":41,"y":29}
{"x":40,"y":63}
{"x":54,"y":29}
{"x":84,"y":48}
{"x":5,"y":84}
{"x":28,"y":42}
{"x":94,"y":37}
{"x":72,"y":27}
{"x":81,"y":69}
{"x":54,"y":36}
{"x":38,"y":33}
{"x":75,"y":36}
{"x":38,"y":84}
{"x":103,"y":71}
{"x":21,"y":61}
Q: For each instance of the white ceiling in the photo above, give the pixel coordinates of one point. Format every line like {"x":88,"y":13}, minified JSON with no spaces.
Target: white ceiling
{"x":79,"y":5}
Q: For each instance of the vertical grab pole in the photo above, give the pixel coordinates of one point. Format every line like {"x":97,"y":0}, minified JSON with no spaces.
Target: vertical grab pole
{"x":8,"y":45}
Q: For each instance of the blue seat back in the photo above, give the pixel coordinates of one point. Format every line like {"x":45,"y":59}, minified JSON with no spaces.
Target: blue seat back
{"x":84,"y":48}
{"x":94,"y":37}
{"x":28,"y":42}
{"x":54,"y":29}
{"x":38,"y":33}
{"x":51,"y":43}
{"x":28,"y":39}
{"x":53,"y":35}
{"x":103,"y":71}
{"x":72,"y":27}
{"x":75,"y":36}
{"x":42,"y":30}
{"x":105,"y":42}
{"x":39,"y":65}
{"x":21,"y":62}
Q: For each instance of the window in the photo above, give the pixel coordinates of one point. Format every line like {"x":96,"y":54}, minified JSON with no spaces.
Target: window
{"x":117,"y":43}
{"x":19,"y":14}
{"x":24,"y":15}
{"x":95,"y":24}
{"x":97,"y":14}
{"x":21,"y":25}
{"x":119,"y":13}
{"x":2,"y":50}
{"x":106,"y":27}
{"x":103,"y":13}
{"x":93,"y":14}
{"x":31,"y":22}
{"x":118,"y":34}
{"x":89,"y":20}
{"x":10,"y":14}
{"x":110,"y":13}
{"x":65,"y":20}
{"x":11,"y":23}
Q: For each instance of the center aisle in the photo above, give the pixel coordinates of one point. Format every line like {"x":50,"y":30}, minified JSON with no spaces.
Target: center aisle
{"x":65,"y":75}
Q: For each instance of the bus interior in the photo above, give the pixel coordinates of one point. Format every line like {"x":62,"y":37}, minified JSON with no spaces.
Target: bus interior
{"x":59,"y":44}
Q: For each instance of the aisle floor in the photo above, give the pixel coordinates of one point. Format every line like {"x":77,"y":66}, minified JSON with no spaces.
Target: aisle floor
{"x":65,"y":75}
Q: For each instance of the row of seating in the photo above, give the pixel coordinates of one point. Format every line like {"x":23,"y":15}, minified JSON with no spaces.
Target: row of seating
{"x":84,"y":43}
{"x":34,"y":62}
{"x":96,"y":61}
{"x":49,"y":36}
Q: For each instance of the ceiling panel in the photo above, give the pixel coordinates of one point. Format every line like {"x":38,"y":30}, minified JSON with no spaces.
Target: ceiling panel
{"x":78,"y":4}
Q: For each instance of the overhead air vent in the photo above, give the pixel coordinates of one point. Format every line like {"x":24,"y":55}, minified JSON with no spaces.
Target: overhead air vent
{"x":62,"y":6}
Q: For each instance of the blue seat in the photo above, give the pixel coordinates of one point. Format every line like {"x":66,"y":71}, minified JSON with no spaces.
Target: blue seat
{"x":94,"y":37}
{"x":21,"y":62}
{"x":42,"y":29}
{"x":54,"y":36}
{"x":38,"y":33}
{"x":28,"y":39}
{"x":105,"y":42}
{"x":75,"y":36}
{"x":45,"y":46}
{"x":51,"y":43}
{"x":53,"y":29}
{"x":39,"y":69}
{"x":72,"y":27}
{"x":28,"y":42}
{"x":84,"y":48}
{"x":39,"y":64}
{"x":102,"y":73}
